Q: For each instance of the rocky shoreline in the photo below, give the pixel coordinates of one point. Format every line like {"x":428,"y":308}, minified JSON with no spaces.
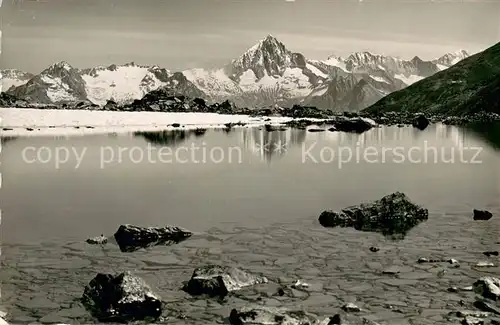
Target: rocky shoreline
{"x":162,"y":101}
{"x":125,"y":297}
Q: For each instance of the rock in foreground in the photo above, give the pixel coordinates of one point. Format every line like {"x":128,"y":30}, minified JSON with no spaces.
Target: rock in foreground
{"x":394,"y":214}
{"x":121,"y":298}
{"x":216,"y":280}
{"x":488,"y":287}
{"x":131,"y":238}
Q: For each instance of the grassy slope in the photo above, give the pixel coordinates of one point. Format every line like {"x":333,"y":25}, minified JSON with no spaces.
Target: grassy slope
{"x":470,"y":86}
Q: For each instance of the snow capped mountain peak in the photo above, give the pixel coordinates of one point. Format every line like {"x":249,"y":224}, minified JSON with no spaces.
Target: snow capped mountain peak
{"x":13,"y":78}
{"x":416,"y":59}
{"x":268,"y":57}
{"x":270,"y":39}
{"x":266,"y":73}
{"x":461,"y":53}
{"x":335,"y":57}
{"x":58,"y":83}
{"x":58,"y":66}
{"x":453,"y":58}
{"x":362,"y":56}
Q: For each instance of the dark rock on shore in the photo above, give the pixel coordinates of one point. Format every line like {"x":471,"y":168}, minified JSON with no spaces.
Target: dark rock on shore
{"x":111,"y":105}
{"x":475,"y":118}
{"x":420,"y":122}
{"x":355,"y":125}
{"x":121,"y":298}
{"x":482,"y":215}
{"x":392,"y":215}
{"x":216,"y":280}
{"x":80,"y":105}
{"x":231,"y":125}
{"x":131,"y":238}
{"x":272,"y":128}
{"x":166,"y":100}
{"x":199,"y":132}
{"x":337,"y":123}
{"x":299,"y":124}
{"x":298,"y":111}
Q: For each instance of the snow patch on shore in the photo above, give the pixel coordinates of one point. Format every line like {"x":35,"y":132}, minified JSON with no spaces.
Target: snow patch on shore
{"x":16,"y":121}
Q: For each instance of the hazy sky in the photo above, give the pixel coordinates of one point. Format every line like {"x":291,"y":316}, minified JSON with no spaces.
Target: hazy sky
{"x":181,"y":34}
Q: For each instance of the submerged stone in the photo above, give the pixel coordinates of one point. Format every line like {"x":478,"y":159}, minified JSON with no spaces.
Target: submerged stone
{"x":131,"y":238}
{"x":391,"y":215}
{"x":99,"y":240}
{"x":272,"y":316}
{"x":351,"y":308}
{"x":216,"y":280}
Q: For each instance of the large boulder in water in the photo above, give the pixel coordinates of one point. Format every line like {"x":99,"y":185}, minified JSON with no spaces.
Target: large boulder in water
{"x":393,"y":214}
{"x":216,"y":280}
{"x":131,"y":238}
{"x":121,"y":298}
{"x":355,"y":125}
{"x":488,"y":287}
{"x":420,"y":122}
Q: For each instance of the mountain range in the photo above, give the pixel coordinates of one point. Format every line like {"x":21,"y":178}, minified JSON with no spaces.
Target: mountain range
{"x":471,"y":86}
{"x":267,"y":74}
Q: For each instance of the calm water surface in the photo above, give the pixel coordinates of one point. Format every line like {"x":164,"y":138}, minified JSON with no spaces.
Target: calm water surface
{"x":255,"y":206}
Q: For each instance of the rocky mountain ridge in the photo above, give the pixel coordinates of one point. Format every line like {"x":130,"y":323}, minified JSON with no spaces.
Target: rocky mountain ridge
{"x":267,"y":74}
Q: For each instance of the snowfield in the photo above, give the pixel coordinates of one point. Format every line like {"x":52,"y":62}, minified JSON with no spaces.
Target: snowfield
{"x":15,"y":121}
{"x":123,"y":84}
{"x":40,"y":122}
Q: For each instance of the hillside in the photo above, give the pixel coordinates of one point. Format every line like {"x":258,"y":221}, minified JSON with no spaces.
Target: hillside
{"x":470,"y":86}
